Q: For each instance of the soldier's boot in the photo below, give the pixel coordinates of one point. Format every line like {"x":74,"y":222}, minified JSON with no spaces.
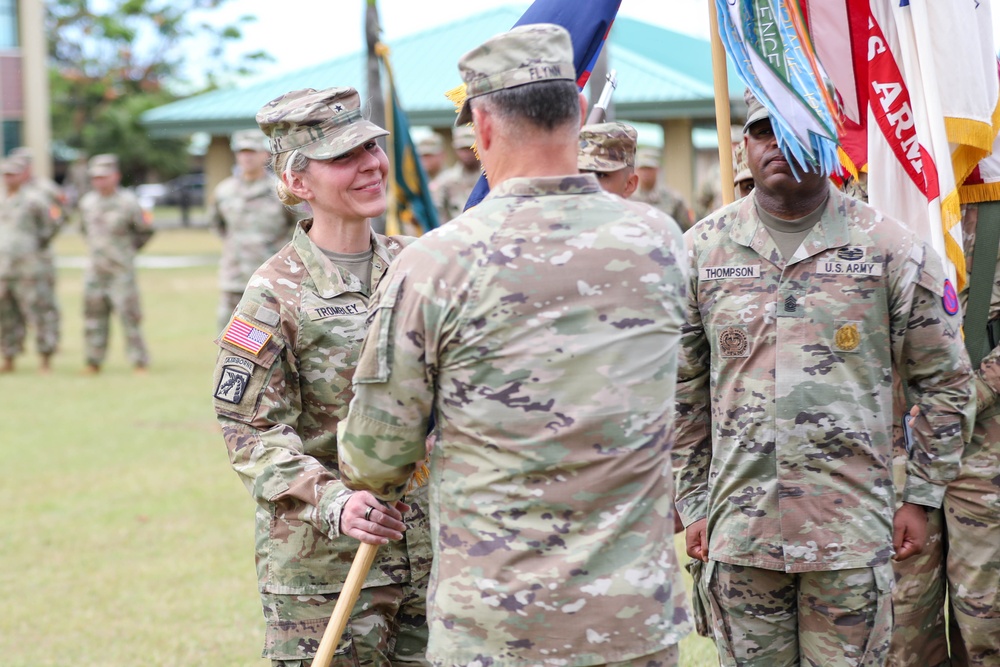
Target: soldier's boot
{"x":8,"y":365}
{"x":45,"y":365}
{"x":91,"y":369}
{"x":141,"y":369}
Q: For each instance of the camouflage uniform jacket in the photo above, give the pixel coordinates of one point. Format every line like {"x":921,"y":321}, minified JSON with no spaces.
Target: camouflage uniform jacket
{"x":279,"y":409}
{"x":541,"y":328}
{"x":451,"y":189}
{"x":785,"y":387}
{"x":115,"y":228}
{"x":253,"y":224}
{"x":988,"y":373}
{"x":667,"y":201}
{"x":26,"y":227}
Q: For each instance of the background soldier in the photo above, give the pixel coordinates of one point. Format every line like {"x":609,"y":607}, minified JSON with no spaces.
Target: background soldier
{"x":52,"y":194}
{"x":654,"y":193}
{"x":607,"y":150}
{"x":248,"y":216}
{"x":452,"y":187}
{"x":114,"y":227}
{"x":541,"y":328}
{"x":802,"y":301}
{"x":431,"y":151}
{"x":27,"y":225}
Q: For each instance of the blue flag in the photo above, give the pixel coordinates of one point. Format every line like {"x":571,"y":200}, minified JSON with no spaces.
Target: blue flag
{"x":588,"y":24}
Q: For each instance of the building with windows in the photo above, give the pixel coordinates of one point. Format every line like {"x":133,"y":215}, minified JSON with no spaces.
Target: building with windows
{"x":24,"y":81}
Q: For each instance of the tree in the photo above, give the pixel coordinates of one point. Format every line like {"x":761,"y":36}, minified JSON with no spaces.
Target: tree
{"x":111,"y":60}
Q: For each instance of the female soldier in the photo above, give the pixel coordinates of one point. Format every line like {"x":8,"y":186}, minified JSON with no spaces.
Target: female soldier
{"x":283,"y":382}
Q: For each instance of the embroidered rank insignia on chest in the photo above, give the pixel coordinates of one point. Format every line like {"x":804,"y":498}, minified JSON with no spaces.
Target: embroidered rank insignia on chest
{"x":246,"y":336}
{"x":847,"y":338}
{"x":734,"y":342}
{"x":234,"y":379}
{"x":950,"y":298}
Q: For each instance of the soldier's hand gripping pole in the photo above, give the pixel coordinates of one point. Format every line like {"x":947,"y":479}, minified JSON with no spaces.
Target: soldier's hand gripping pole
{"x":345,"y":603}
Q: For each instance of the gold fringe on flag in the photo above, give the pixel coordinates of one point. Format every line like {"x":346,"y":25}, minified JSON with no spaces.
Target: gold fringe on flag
{"x":975,"y":141}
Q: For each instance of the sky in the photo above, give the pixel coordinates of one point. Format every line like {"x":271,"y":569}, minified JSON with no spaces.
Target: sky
{"x":305,"y":32}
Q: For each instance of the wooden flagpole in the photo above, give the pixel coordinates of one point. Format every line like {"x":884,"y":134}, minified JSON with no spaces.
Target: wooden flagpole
{"x":722,"y":114}
{"x":345,"y":603}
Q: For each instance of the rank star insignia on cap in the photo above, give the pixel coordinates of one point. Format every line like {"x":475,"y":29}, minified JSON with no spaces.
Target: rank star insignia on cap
{"x":525,"y":54}
{"x":246,"y":336}
{"x":320,"y":124}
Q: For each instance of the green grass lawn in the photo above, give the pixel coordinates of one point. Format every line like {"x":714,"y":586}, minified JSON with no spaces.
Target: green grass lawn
{"x":128,"y":540}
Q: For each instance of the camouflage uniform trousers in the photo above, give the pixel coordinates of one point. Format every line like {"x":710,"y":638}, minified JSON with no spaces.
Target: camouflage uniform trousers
{"x":972,"y":513}
{"x":919,"y":636}
{"x":48,"y":306}
{"x":769,"y":618}
{"x":103,"y":293}
{"x":19,"y":309}
{"x":388,"y":627}
{"x":227,"y":304}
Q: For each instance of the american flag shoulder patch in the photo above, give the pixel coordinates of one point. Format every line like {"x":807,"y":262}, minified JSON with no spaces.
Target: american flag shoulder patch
{"x":246,"y":336}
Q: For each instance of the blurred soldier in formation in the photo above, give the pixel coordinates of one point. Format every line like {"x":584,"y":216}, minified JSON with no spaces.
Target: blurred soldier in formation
{"x":431,"y":150}
{"x":27,"y":224}
{"x":742,"y":178}
{"x":115,"y":228}
{"x":541,"y":329}
{"x":652,"y":192}
{"x":249,"y":217}
{"x":452,"y":187}
{"x":48,"y":305}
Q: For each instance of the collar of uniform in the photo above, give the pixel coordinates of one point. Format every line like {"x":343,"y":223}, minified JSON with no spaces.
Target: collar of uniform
{"x":830,"y":232}
{"x":330,"y":279}
{"x":541,"y":186}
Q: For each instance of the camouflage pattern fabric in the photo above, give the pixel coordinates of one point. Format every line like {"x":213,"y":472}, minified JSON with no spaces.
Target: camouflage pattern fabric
{"x":789,"y":455}
{"x":320,"y":124}
{"x":451,"y":189}
{"x":919,"y":635}
{"x":27,"y":225}
{"x":606,"y":147}
{"x":764,"y":618}
{"x":545,"y":345}
{"x":667,"y":201}
{"x":282,"y":384}
{"x":253,"y":225}
{"x":388,"y":627}
{"x":965,"y":551}
{"x":114,"y":228}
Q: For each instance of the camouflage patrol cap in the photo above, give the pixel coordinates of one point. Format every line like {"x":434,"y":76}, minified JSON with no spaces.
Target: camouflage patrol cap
{"x":104,"y":164}
{"x":13,"y":164}
{"x":320,"y":124}
{"x":525,"y":54}
{"x":463,"y":136}
{"x":647,"y":157}
{"x":248,"y":140}
{"x":432,"y":144}
{"x":755,"y":110}
{"x":606,"y":147}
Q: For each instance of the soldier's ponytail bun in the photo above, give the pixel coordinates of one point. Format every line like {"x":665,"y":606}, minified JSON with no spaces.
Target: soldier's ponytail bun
{"x":283,"y":164}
